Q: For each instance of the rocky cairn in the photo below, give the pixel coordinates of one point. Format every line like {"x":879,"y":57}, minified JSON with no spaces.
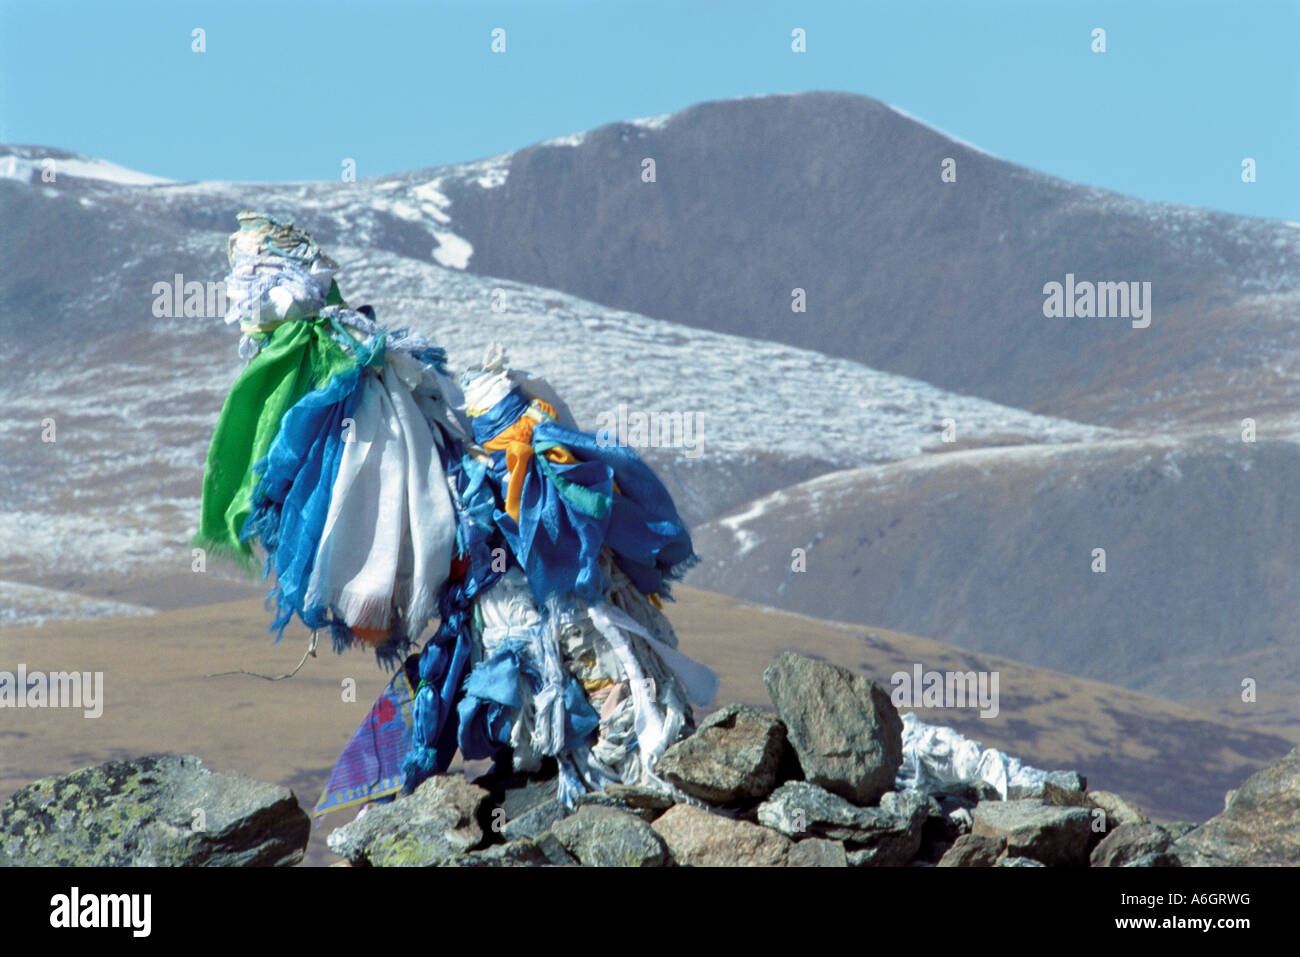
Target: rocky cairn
{"x":809,"y":786}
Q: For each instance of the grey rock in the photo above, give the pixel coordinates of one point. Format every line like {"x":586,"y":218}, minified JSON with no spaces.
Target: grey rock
{"x":971,"y":792}
{"x":1068,"y":780}
{"x":1180,"y":828}
{"x":899,"y":840}
{"x":1057,"y":796}
{"x":801,"y":808}
{"x":608,"y":837}
{"x":699,"y":838}
{"x":1010,"y":861}
{"x":1260,"y":827}
{"x":511,"y":854}
{"x":431,"y":827}
{"x":1056,"y":836}
{"x":523,"y":803}
{"x":817,"y":852}
{"x":880,"y":855}
{"x":546,"y":851}
{"x":1118,"y":810}
{"x":1159,"y":859}
{"x":973,"y":850}
{"x":959,"y":821}
{"x":524,"y":853}
{"x":947,"y":818}
{"x":518,"y":792}
{"x":732,"y":756}
{"x":154,"y":811}
{"x":535,"y":820}
{"x":844,"y":728}
{"x":605,"y":799}
{"x":888,"y":835}
{"x":1064,"y":780}
{"x":555,"y":852}
{"x":1127,"y":844}
{"x":645,"y":799}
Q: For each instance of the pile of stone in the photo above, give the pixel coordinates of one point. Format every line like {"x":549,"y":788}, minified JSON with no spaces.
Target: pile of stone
{"x":812,"y":785}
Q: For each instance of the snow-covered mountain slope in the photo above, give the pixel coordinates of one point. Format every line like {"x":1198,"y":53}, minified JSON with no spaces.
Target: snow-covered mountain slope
{"x":38,"y":165}
{"x":840,"y":196}
{"x":31,"y":605}
{"x":675,"y":297}
{"x":132,"y":408}
{"x":996,"y":550}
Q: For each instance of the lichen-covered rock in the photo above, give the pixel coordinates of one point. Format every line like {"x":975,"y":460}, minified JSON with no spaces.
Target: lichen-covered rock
{"x":1012,"y":861}
{"x":845,"y":730}
{"x":608,"y":837}
{"x":1259,"y":827}
{"x":1056,"y":836}
{"x":431,"y":827}
{"x":732,"y":756}
{"x":817,"y":852}
{"x":973,"y":850}
{"x":1135,"y":845}
{"x":155,"y":811}
{"x":700,"y":838}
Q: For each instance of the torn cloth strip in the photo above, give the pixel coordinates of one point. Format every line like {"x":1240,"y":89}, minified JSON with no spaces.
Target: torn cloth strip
{"x":567,"y":495}
{"x":292,"y":498}
{"x":649,"y":540}
{"x":370,"y":767}
{"x":446,"y":656}
{"x":387,"y":542}
{"x":494,"y":692}
{"x":699,"y":681}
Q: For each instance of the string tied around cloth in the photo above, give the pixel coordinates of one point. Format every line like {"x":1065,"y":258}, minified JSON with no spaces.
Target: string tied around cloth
{"x":310,"y":652}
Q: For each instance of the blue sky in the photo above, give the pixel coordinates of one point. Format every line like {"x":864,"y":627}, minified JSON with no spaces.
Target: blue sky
{"x":286,"y":90}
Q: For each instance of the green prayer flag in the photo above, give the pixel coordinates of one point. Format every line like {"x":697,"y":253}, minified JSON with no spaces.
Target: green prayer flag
{"x":295,"y":358}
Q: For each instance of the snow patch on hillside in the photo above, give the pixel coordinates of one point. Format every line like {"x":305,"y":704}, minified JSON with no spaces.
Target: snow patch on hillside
{"x":29,"y":169}
{"x":571,"y":139}
{"x":31,"y":605}
{"x":453,"y":251}
{"x":122,"y":481}
{"x":652,"y":122}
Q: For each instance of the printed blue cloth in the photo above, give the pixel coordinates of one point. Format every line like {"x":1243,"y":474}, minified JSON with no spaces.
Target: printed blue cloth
{"x":370,"y":767}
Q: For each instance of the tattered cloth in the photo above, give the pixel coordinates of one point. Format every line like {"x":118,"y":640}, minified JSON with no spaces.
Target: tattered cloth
{"x":370,"y":767}
{"x":384,"y":498}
